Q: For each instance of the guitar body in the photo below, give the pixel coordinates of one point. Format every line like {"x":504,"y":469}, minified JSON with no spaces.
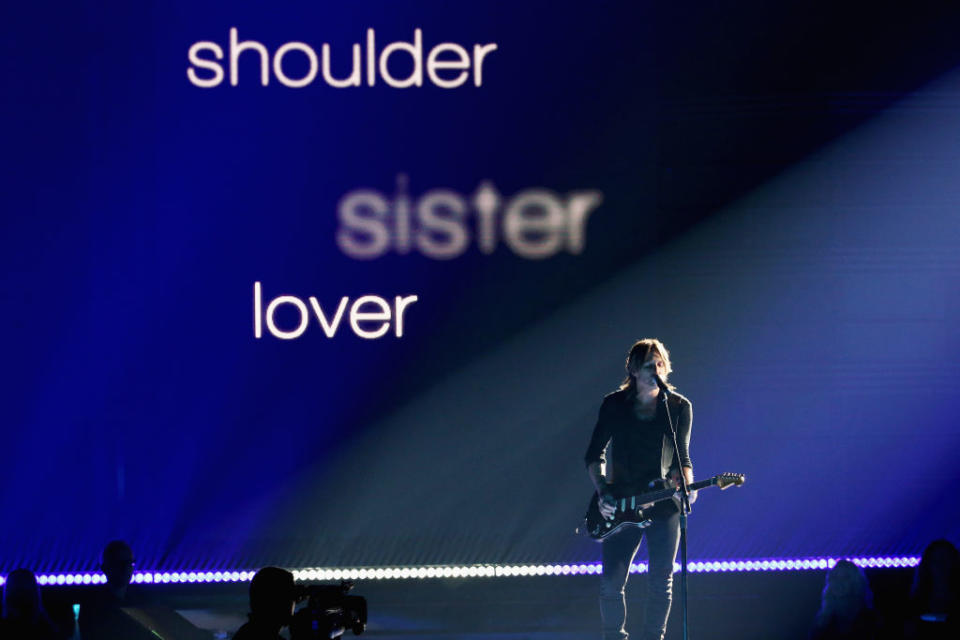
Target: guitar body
{"x":639,"y":510}
{"x":629,"y":513}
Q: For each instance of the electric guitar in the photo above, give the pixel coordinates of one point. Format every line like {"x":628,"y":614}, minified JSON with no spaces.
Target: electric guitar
{"x":636,"y":511}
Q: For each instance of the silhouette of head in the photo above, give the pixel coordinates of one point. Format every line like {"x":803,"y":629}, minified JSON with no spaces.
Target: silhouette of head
{"x":938,"y":575}
{"x":21,"y":596}
{"x":847,"y":587}
{"x":117,"y":564}
{"x":272,"y":596}
{"x":845,"y":595}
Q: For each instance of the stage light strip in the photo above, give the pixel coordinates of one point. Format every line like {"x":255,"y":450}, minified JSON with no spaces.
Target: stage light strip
{"x":477,"y":571}
{"x":146,"y":577}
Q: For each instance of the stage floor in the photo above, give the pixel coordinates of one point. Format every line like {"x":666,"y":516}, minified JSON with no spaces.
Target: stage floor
{"x":744,"y":606}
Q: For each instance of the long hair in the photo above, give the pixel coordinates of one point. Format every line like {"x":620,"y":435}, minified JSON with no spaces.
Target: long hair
{"x":21,"y":596}
{"x":845,"y":595}
{"x":639,"y":353}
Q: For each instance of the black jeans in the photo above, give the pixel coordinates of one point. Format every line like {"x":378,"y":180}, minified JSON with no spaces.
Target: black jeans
{"x":663,"y":538}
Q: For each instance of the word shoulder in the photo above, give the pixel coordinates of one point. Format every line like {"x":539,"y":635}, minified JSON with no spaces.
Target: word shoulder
{"x":441,"y":224}
{"x":448,"y":65}
{"x":370,"y":316}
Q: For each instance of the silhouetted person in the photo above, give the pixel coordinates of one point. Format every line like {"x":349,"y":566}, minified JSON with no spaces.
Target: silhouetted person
{"x":272,"y":599}
{"x":846,"y":606}
{"x":100,"y":615}
{"x":935,"y":596}
{"x":23,"y":615}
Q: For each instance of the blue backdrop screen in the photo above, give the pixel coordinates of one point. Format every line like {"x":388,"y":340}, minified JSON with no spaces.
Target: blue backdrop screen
{"x":356,"y":322}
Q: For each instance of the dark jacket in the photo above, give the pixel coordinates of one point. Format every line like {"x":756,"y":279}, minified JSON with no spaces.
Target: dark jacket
{"x":623,"y":441}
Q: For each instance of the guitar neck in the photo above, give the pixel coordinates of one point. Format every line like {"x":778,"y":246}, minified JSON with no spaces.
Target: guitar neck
{"x":703,"y":484}
{"x":663,"y":494}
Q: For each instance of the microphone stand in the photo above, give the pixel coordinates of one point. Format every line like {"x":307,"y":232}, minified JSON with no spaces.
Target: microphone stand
{"x":684,"y":510}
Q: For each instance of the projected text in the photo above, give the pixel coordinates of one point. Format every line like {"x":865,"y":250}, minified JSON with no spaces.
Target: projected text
{"x":441,"y":224}
{"x":448,"y":65}
{"x":370,"y":317}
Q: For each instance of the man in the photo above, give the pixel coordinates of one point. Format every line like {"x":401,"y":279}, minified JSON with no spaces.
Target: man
{"x":633,"y":423}
{"x":100,"y":614}
{"x":272,"y":599}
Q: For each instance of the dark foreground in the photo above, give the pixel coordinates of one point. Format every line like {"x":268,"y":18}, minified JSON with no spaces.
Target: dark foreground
{"x":762,"y":605}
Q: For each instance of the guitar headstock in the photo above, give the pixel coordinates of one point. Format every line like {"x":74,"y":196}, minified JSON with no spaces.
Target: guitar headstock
{"x":725,"y":480}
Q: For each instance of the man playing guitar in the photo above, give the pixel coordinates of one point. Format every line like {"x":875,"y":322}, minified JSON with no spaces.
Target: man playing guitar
{"x":632,"y":442}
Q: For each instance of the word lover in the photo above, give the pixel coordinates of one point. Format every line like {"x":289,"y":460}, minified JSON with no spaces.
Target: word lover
{"x":370,"y":317}
{"x":441,"y":224}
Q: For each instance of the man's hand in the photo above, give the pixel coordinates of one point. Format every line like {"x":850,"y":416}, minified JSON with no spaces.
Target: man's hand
{"x":607,"y":504}
{"x":688,"y":475}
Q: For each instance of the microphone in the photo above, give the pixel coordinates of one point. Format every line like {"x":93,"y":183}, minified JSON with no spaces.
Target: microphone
{"x":660,"y":383}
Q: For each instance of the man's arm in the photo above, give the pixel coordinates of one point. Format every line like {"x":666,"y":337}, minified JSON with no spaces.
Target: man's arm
{"x":595,"y":471}
{"x":595,"y":460}
{"x":684,"y":423}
